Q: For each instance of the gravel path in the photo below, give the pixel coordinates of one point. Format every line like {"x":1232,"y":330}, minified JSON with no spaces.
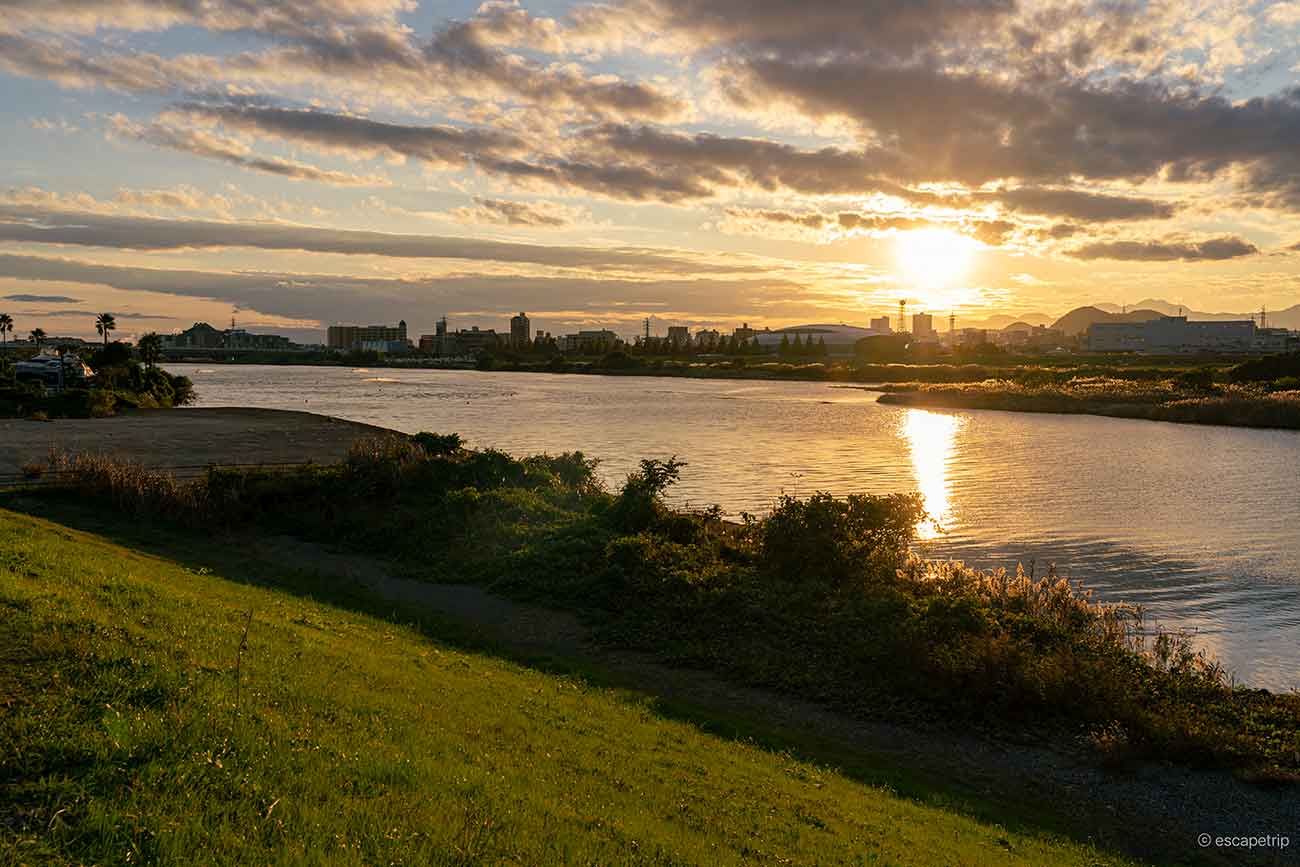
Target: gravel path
{"x":1153,"y":811}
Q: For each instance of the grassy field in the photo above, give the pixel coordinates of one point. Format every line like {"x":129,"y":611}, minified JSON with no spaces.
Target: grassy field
{"x":158,"y":712}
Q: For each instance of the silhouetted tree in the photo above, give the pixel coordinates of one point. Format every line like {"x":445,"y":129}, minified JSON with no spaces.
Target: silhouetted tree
{"x":150,"y":349}
{"x":38,"y":337}
{"x":6,"y":327}
{"x":105,"y":323}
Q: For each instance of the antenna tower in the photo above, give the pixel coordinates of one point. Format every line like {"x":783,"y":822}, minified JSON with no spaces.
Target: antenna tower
{"x":902,"y":316}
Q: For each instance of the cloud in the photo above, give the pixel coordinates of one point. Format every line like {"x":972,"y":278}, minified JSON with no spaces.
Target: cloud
{"x":323,"y":297}
{"x":206,"y":144}
{"x":1081,"y":204}
{"x":362,"y":137}
{"x":933,"y":124}
{"x":283,"y":17}
{"x":33,"y":224}
{"x":42,"y":299}
{"x":537,"y":215}
{"x":1213,"y":250}
{"x":827,"y":227}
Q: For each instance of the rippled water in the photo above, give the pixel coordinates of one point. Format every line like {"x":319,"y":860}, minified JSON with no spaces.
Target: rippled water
{"x":1201,"y":524}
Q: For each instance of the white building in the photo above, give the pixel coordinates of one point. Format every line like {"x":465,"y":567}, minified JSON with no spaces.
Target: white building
{"x":839,"y":339}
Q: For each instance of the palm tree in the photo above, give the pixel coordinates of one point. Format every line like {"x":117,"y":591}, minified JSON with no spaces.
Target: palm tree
{"x":150,"y":349}
{"x":105,"y":323}
{"x":6,"y":325}
{"x":38,"y":337}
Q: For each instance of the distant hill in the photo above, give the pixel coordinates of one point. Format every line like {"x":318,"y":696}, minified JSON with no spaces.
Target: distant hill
{"x":999,"y":321}
{"x":1077,"y":321}
{"x":1287,"y":318}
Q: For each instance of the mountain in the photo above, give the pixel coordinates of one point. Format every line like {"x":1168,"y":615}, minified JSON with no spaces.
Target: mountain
{"x":1287,"y":318}
{"x":998,"y":321}
{"x":1077,"y":321}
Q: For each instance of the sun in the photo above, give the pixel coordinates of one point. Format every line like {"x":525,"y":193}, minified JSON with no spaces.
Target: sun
{"x":934,"y":258}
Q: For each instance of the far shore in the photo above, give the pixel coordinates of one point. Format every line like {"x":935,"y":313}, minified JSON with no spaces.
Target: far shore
{"x":1240,"y":408}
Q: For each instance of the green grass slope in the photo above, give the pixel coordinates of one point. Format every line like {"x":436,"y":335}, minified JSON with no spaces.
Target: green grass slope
{"x":139,"y":724}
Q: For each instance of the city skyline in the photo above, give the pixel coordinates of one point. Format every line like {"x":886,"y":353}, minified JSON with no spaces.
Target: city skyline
{"x":305,"y":163}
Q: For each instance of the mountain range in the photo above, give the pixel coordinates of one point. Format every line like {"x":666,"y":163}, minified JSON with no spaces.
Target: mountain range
{"x":1078,"y":319}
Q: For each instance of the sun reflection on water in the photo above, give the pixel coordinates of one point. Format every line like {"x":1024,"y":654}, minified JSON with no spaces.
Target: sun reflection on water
{"x":930,"y":437}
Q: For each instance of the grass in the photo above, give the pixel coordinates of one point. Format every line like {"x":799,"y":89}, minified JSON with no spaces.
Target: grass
{"x":162,"y":713}
{"x":820,"y":599}
{"x":1175,"y":400}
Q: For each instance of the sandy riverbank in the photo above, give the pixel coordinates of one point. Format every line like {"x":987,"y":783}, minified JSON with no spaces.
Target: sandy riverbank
{"x":186,"y":437}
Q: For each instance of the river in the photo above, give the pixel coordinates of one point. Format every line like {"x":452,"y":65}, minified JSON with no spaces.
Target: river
{"x":1200,"y":524}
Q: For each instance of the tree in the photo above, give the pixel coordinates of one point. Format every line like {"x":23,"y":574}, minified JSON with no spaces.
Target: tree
{"x":6,"y":327}
{"x":796,"y":348}
{"x":105,"y":323}
{"x":38,"y":337}
{"x":822,"y":351}
{"x":150,"y":349}
{"x":785,"y":345}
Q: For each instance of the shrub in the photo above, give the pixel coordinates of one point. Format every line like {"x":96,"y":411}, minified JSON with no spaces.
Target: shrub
{"x":837,"y":541}
{"x":640,"y":503}
{"x":438,"y":444}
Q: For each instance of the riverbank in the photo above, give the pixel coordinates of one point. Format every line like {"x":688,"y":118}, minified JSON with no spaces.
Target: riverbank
{"x":1231,"y":405}
{"x":173,"y":695}
{"x":609,"y":706}
{"x":819,"y":600}
{"x":185,"y":437}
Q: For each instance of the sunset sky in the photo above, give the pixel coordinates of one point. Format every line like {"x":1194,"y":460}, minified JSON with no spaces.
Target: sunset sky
{"x":309,"y":162}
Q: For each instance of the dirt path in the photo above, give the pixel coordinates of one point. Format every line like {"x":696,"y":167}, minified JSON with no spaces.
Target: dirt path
{"x":1154,"y":811}
{"x":183,"y":437}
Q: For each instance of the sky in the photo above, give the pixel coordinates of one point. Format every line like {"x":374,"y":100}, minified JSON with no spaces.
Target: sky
{"x":309,"y":162}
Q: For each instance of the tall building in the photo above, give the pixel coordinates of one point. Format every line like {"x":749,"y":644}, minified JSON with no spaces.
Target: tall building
{"x":348,"y":337}
{"x":923,"y":326}
{"x":679,"y":335}
{"x":521,"y":331}
{"x":881,"y":324}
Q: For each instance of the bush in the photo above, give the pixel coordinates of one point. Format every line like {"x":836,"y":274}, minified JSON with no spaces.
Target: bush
{"x":640,"y":504}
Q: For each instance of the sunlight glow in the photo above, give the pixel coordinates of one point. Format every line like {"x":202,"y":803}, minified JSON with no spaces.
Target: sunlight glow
{"x":930,"y":437}
{"x":934,"y":258}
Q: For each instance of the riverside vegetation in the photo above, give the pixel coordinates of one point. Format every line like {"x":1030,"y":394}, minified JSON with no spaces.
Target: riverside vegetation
{"x":1259,"y":393}
{"x":120,"y":382}
{"x":820,"y":599}
{"x":156,"y":711}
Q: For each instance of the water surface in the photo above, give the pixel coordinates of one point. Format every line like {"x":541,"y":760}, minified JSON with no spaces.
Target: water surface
{"x":1201,"y":524}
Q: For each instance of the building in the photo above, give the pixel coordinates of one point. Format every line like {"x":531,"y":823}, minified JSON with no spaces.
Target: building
{"x":744,"y":332}
{"x":591,"y":342}
{"x":201,"y":335}
{"x":1175,"y":335}
{"x":923,"y":326}
{"x":679,"y":335}
{"x":238,"y":338}
{"x":707,"y":338}
{"x":521,"y":331}
{"x":839,"y":339}
{"x":881,"y":325}
{"x":345,"y":338}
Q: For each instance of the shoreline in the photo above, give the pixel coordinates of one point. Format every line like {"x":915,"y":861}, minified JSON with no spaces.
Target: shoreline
{"x":187,"y":437}
{"x":1260,"y":412}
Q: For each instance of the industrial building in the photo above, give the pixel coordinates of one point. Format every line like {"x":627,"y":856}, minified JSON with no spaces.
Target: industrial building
{"x":1175,"y":335}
